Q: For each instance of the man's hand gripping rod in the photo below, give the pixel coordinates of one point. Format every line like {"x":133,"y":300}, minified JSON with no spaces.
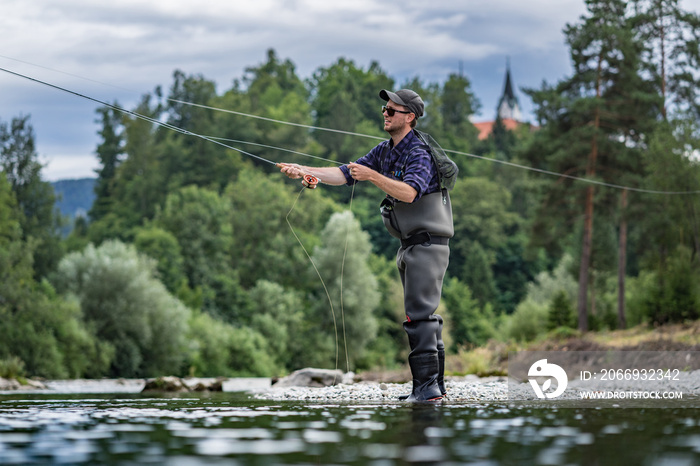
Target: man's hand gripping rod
{"x":308,"y":181}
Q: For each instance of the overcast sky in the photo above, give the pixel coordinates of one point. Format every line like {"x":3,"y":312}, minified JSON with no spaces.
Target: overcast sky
{"x":121,"y":49}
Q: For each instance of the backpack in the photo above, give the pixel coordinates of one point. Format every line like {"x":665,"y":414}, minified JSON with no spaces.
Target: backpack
{"x":446,"y":168}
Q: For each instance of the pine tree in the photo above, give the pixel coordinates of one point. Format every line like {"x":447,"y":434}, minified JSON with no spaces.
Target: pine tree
{"x":40,"y":220}
{"x":109,"y":152}
{"x":591,"y":121}
{"x":672,"y":53}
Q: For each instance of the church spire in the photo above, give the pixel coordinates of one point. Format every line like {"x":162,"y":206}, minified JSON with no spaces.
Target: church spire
{"x":508,"y":107}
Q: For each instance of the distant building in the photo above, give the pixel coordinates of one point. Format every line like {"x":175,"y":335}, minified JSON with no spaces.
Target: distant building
{"x":508,"y":109}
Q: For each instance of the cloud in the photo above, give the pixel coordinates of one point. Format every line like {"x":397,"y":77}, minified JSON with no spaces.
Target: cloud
{"x":136,"y":45}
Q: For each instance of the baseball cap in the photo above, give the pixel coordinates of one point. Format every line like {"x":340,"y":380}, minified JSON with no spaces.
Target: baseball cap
{"x":406,"y":97}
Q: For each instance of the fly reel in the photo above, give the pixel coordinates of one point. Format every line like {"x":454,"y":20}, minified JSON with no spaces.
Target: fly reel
{"x":310,"y":181}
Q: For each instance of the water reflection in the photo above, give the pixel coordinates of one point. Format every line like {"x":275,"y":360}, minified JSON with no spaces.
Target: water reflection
{"x":232,"y":429}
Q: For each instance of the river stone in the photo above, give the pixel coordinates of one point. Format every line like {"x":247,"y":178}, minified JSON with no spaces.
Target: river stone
{"x":208,"y":385}
{"x":166,"y":384}
{"x":9,"y":384}
{"x":14,"y":384}
{"x":311,"y":377}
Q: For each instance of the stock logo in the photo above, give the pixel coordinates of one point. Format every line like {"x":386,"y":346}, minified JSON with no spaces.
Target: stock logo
{"x":542,"y":368}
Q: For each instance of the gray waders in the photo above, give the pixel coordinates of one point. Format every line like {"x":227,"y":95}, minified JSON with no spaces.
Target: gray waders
{"x":424,"y":228}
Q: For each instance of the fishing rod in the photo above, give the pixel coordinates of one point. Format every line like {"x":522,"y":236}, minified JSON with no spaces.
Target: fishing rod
{"x":138,"y":115}
{"x":308,"y":181}
{"x":350,"y":133}
{"x":488,"y":159}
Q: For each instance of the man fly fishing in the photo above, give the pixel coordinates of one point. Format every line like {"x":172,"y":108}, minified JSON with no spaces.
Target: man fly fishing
{"x":416,"y":175}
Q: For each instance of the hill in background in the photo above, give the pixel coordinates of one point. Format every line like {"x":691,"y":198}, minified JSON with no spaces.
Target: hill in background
{"x":74,"y":198}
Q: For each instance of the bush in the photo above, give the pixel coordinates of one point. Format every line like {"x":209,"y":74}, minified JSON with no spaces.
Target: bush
{"x":547,"y":285}
{"x":526,"y":323}
{"x":220,"y":349}
{"x":46,"y":332}
{"x":469,"y":324}
{"x":670,"y":294}
{"x":560,"y":312}
{"x":12,"y":368}
{"x":127,"y":307}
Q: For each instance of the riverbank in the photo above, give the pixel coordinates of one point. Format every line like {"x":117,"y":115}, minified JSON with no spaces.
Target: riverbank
{"x":105,"y":386}
{"x":464,"y":389}
{"x":477,"y":375}
{"x":468,"y":388}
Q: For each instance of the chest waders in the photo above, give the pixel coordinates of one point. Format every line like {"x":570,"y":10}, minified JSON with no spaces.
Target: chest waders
{"x":424,"y":228}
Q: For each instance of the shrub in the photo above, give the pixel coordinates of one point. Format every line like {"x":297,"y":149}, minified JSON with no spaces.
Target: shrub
{"x":127,"y":307}
{"x":526,"y":323}
{"x":469,"y":324}
{"x":560,"y":312}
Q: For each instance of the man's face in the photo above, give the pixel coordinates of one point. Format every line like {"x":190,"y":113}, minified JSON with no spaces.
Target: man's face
{"x":397,"y":122}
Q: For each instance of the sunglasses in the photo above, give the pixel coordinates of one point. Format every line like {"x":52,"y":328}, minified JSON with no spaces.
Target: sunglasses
{"x":391,"y":111}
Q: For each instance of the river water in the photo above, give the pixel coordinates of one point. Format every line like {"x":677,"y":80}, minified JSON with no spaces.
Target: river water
{"x":235,"y":429}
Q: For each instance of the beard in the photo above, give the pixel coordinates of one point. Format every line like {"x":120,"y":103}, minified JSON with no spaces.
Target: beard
{"x":392,"y":128}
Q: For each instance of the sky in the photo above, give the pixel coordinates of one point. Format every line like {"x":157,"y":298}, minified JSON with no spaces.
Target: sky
{"x":122,"y":49}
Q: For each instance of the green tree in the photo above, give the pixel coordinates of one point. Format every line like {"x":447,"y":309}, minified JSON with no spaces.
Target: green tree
{"x":561,"y":312}
{"x":138,"y":188}
{"x":218,"y":348}
{"x":200,"y":220}
{"x":274,"y":90}
{"x":389,"y":349}
{"x":259,"y":208}
{"x":470,"y":324}
{"x":186,"y":158}
{"x":162,"y":246}
{"x":671,"y":53}
{"x":277,"y":316}
{"x":109,"y":152}
{"x":128,"y":308}
{"x":342,"y":261}
{"x":590,"y":121}
{"x":457,"y":104}
{"x":482,"y":219}
{"x":40,"y":220}
{"x":345,"y":97}
{"x":672,"y":295}
{"x":40,"y":328}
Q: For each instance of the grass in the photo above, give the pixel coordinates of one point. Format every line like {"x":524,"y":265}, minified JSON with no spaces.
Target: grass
{"x":13,"y":368}
{"x":492,"y":359}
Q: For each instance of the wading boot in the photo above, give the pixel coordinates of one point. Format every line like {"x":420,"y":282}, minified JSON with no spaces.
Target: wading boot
{"x":440,"y":376}
{"x":424,"y":369}
{"x":441,"y":372}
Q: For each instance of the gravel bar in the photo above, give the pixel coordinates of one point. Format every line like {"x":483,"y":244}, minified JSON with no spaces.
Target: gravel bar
{"x":459,"y":389}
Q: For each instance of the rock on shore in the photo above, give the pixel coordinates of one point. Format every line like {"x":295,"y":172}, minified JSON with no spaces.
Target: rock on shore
{"x":172,"y":384}
{"x":14,"y":384}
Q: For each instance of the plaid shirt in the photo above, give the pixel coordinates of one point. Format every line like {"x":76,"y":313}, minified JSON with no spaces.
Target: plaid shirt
{"x":418,"y":170}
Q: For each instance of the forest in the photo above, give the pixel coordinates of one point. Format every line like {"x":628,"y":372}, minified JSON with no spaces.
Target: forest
{"x":193,"y":258}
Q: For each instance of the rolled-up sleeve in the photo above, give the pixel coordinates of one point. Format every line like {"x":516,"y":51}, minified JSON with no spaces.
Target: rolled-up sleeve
{"x":418,"y":173}
{"x":371,"y":160}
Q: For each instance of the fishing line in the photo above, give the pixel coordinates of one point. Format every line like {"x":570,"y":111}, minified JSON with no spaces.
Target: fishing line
{"x":70,"y":74}
{"x":309,"y":183}
{"x":137,"y":115}
{"x":325,"y":288}
{"x":563,"y":175}
{"x":267,"y":146}
{"x":301,"y":125}
{"x":511,"y":164}
{"x":342,"y":275}
{"x":320,"y":128}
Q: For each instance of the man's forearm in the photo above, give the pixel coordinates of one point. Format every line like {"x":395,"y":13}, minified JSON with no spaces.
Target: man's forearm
{"x":328,"y":175}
